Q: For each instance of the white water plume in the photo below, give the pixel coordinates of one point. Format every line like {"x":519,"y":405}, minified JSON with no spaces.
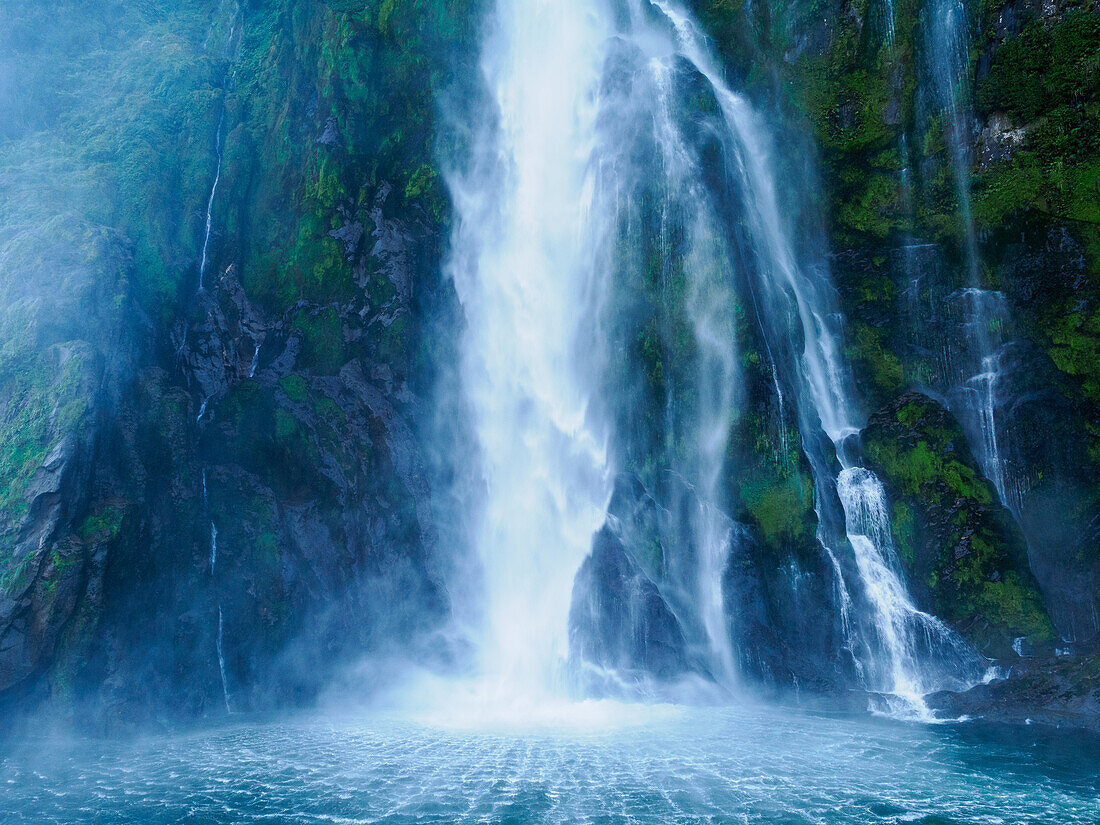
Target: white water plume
{"x":541,"y":197}
{"x":526,"y":268}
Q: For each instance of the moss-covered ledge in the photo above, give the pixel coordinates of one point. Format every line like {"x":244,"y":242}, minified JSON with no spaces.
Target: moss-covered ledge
{"x":965,"y":557}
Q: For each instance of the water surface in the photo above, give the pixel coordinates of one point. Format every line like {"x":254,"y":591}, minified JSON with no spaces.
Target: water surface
{"x":688,"y":766}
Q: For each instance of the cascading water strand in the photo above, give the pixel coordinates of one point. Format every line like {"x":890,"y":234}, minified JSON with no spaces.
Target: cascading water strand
{"x":545,"y":192}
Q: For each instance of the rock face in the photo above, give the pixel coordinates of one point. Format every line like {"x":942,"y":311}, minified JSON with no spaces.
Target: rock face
{"x":1060,"y":693}
{"x":965,"y":556}
{"x":236,"y":473}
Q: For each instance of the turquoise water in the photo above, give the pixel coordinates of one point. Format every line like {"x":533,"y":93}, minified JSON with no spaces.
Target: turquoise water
{"x":665,"y":766}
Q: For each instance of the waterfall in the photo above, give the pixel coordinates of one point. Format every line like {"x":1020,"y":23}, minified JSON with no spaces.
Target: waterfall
{"x":526,"y":267}
{"x":227,"y":54}
{"x":922,"y":653}
{"x":710,"y":307}
{"x":948,"y":61}
{"x":213,"y":547}
{"x":255,"y":362}
{"x":591,"y":136}
{"x":210,"y":206}
{"x":971,"y":368}
{"x":221,"y":661}
{"x":219,"y":640}
{"x":913,"y":652}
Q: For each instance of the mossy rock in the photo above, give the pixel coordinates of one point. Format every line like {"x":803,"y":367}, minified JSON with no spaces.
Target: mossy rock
{"x":965,"y":556}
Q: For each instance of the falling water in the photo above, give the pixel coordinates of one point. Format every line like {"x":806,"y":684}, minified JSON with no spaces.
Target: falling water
{"x":710,"y":307}
{"x":913,"y":652}
{"x":524,"y":265}
{"x":949,"y":59}
{"x":924,"y":654}
{"x":221,"y":661}
{"x":255,"y":362}
{"x":972,"y":369}
{"x":202,"y":409}
{"x":213,"y":547}
{"x":550,"y":181}
{"x":221,"y":624}
{"x":210,"y":207}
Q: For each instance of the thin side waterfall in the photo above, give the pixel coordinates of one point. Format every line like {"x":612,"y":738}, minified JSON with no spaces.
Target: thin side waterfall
{"x":213,"y":547}
{"x":710,"y":306}
{"x":971,"y":370}
{"x":219,"y":643}
{"x":221,"y":661}
{"x":205,"y":262}
{"x":949,"y":59}
{"x":227,"y":54}
{"x":915,"y":639}
{"x":255,"y":362}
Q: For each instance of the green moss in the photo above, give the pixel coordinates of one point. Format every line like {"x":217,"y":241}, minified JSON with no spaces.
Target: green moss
{"x":867,"y":350}
{"x":104,"y":525}
{"x":904,"y":528}
{"x":1046,"y":78}
{"x":422,"y":180}
{"x":1075,"y":349}
{"x":322,"y":339}
{"x":43,"y":406}
{"x":949,"y":529}
{"x":295,"y":388}
{"x":779,"y":506}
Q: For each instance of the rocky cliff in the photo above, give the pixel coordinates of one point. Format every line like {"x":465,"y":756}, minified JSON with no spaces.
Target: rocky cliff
{"x":224,"y":334}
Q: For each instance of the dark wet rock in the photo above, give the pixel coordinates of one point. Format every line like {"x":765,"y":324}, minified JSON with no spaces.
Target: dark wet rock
{"x":1061,"y":692}
{"x":618,"y":619}
{"x":965,"y":557}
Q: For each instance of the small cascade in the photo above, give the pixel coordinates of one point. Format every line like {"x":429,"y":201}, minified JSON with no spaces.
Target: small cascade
{"x":985,"y":315}
{"x":948,"y":62}
{"x":972,"y":358}
{"x":221,"y":661}
{"x":912,"y":661}
{"x":913,"y":653}
{"x":202,"y":409}
{"x":213,"y":547}
{"x":255,"y":362}
{"x":710,"y":308}
{"x":888,"y":14}
{"x":227,"y":55}
{"x":219,"y":642}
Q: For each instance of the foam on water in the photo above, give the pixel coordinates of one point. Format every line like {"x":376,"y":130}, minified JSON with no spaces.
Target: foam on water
{"x":692,"y":766}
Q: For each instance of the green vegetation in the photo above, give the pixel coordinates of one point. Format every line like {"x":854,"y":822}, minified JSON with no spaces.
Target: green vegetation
{"x":778,"y":506}
{"x":960,"y":547}
{"x":295,"y":388}
{"x":43,"y":404}
{"x":1046,"y":79}
{"x":104,"y":525}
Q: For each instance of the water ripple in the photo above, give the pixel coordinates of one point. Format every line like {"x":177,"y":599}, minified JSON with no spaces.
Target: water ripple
{"x":706,"y":766}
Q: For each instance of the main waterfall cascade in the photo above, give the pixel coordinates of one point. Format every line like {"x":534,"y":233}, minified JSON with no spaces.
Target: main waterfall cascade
{"x":615,"y":157}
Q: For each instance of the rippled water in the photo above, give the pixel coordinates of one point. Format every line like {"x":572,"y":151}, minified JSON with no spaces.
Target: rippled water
{"x":727,"y":766}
